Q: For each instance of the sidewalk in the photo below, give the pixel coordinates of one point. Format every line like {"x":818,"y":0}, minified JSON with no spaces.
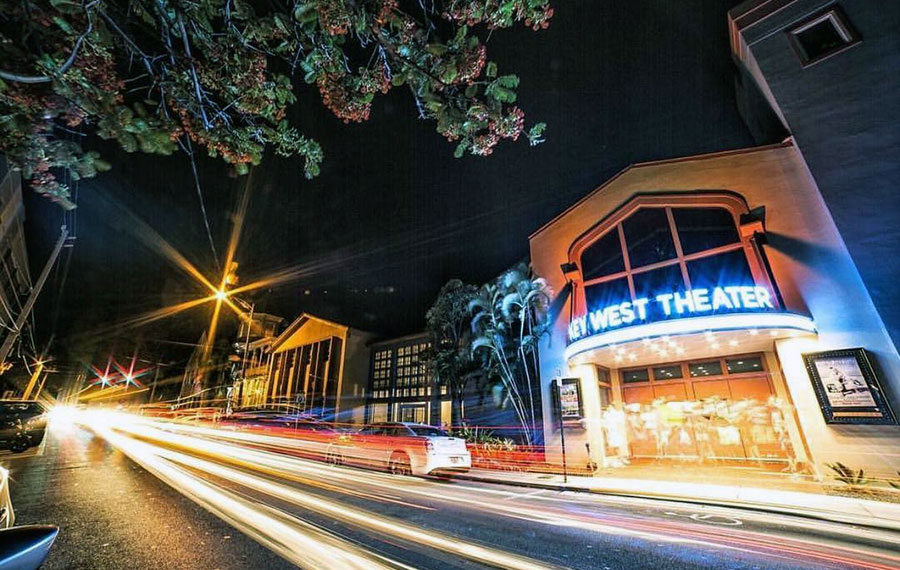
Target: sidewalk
{"x":812,"y":505}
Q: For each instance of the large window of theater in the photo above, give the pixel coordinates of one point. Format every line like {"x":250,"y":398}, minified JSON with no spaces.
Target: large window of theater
{"x":658,"y":248}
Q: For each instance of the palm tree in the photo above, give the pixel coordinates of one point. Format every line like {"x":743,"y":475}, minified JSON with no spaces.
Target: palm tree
{"x":509,"y":317}
{"x":450,"y":331}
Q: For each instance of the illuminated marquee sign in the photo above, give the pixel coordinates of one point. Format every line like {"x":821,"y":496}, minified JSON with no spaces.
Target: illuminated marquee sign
{"x":673,"y":304}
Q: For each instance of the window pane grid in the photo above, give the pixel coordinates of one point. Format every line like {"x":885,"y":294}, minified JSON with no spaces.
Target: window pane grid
{"x":707,"y":231}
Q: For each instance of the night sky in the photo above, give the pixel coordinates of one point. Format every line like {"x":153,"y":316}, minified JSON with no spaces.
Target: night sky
{"x":393,"y":215}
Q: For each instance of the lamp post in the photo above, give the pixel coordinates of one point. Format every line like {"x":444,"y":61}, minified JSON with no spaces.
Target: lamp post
{"x":569,"y":269}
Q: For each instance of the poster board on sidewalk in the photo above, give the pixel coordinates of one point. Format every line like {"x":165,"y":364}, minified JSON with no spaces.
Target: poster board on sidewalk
{"x":571,"y":405}
{"x":847,"y":387}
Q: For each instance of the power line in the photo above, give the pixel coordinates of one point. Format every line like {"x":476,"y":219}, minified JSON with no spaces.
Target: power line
{"x":212,"y":245}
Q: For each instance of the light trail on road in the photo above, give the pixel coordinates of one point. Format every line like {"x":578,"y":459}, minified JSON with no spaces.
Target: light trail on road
{"x":206,"y":463}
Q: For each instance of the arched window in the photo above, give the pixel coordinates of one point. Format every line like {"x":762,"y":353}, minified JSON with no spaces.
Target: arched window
{"x":665,"y":244}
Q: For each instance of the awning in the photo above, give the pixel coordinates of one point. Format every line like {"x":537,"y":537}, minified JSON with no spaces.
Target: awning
{"x":687,"y":338}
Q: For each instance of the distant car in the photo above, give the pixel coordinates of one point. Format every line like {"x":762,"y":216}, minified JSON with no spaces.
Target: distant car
{"x":403,"y":449}
{"x":158,"y":410}
{"x":299,"y":425}
{"x":22,"y":424}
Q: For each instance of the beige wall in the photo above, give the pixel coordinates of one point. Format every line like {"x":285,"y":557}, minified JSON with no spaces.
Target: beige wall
{"x":811,"y":267}
{"x":312,"y":331}
{"x":354,"y":361}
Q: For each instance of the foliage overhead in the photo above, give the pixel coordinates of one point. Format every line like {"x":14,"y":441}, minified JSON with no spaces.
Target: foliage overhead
{"x":159,"y":75}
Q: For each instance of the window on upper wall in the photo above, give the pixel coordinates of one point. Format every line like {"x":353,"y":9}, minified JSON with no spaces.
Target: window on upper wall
{"x":822,"y":36}
{"x":648,"y":237}
{"x":603,"y":257}
{"x":665,"y":248}
{"x":704,"y":228}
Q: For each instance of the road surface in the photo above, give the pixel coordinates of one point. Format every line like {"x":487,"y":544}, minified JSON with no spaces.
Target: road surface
{"x":129,"y":492}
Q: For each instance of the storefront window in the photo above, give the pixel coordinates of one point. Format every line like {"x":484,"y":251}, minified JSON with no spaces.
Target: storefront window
{"x":638,"y":375}
{"x":708,"y":368}
{"x":667,"y":372}
{"x":722,"y":411}
{"x":744,"y":364}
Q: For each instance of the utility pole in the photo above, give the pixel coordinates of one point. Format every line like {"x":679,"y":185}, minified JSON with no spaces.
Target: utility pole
{"x":34,"y":377}
{"x":41,"y":387}
{"x":35,"y":291}
{"x":155,"y":380}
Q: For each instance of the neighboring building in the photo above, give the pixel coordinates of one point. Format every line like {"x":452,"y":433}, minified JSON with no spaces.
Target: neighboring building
{"x":828,"y":70}
{"x":15,"y":279}
{"x":687,"y":293}
{"x":205,"y":383}
{"x":250,"y":372}
{"x":320,"y":367}
{"x":401,"y":386}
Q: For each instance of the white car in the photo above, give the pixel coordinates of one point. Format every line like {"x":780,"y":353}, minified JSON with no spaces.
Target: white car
{"x":403,"y":449}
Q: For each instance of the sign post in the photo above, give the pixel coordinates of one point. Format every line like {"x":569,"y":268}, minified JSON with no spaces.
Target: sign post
{"x":557,"y":408}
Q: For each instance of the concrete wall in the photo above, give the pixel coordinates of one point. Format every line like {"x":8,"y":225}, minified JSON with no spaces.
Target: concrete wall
{"x":844,"y":113}
{"x":810,"y":264}
{"x":354,"y":377}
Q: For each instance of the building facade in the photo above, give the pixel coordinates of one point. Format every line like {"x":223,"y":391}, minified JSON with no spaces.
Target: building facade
{"x":401,"y":385}
{"x":707,"y":312}
{"x":321,"y":368}
{"x":254,"y":340}
{"x":827,"y":69}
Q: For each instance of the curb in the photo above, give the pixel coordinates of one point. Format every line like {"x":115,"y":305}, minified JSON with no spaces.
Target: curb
{"x":869,"y":521}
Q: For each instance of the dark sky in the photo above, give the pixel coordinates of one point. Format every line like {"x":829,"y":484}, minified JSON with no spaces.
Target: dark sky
{"x":393,"y":215}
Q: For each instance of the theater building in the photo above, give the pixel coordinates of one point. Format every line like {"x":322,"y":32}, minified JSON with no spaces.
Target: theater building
{"x":707,"y":315}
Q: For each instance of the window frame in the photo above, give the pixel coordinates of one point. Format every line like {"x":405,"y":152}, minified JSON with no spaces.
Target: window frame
{"x":727,"y":201}
{"x":686,"y":371}
{"x":839,"y":20}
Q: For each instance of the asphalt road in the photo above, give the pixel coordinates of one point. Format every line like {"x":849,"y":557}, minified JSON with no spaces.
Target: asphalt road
{"x":132,"y":495}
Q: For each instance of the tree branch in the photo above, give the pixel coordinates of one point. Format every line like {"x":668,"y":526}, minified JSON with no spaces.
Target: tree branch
{"x":9,"y":76}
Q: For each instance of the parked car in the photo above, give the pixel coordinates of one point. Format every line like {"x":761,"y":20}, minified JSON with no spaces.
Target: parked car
{"x":403,"y":449}
{"x":22,"y":424}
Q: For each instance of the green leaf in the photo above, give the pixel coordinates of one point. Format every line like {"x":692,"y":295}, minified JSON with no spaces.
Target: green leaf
{"x":471,"y":90}
{"x":306,"y":13}
{"x":449,"y":74}
{"x":63,"y":25}
{"x":491,"y":69}
{"x":436,"y":49}
{"x":67,"y":7}
{"x":460,"y":149}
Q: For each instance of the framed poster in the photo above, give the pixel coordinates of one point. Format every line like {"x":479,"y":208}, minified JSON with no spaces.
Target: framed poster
{"x":570,"y":404}
{"x":847,"y":388}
